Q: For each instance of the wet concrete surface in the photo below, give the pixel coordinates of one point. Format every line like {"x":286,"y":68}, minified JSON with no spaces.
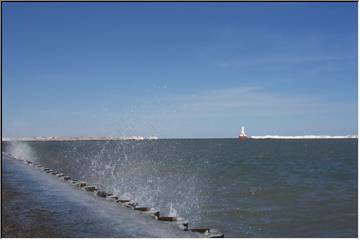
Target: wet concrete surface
{"x":35,"y":204}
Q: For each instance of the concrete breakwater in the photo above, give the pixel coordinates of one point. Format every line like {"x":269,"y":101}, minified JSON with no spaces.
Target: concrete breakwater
{"x":182,"y":224}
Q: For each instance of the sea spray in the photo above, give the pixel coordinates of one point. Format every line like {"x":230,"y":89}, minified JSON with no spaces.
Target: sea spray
{"x":21,"y":150}
{"x":172,"y":211}
{"x":144,"y":171}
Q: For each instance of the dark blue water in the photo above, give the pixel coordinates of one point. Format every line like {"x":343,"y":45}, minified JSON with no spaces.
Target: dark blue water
{"x":254,"y":188}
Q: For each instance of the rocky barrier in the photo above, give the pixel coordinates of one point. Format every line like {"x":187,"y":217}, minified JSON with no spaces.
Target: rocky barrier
{"x":181,"y":223}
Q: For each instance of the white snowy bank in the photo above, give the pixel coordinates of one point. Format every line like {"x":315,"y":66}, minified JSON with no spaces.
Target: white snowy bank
{"x":303,"y":137}
{"x":52,"y":138}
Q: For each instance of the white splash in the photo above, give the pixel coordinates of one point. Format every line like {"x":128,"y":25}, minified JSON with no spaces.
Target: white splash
{"x":21,"y":150}
{"x":172,"y":211}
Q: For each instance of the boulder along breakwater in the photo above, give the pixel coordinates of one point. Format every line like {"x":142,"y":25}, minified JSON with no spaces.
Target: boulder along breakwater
{"x":179,"y":222}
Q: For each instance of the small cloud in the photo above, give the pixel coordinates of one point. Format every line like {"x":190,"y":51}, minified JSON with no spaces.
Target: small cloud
{"x":160,"y":86}
{"x":266,"y":61}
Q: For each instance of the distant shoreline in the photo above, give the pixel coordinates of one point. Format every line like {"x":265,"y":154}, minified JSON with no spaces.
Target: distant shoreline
{"x":46,"y":139}
{"x":77,"y":138}
{"x":304,"y":137}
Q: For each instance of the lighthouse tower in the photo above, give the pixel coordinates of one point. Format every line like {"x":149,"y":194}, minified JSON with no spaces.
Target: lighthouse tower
{"x":242,"y":134}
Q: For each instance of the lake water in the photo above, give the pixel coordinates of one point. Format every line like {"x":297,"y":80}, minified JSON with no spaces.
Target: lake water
{"x":253,"y":188}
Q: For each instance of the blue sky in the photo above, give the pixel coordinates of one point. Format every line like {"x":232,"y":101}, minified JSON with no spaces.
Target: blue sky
{"x":178,"y":70}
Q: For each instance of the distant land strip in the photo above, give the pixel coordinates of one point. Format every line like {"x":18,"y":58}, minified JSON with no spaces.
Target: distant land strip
{"x":56,"y":138}
{"x":303,"y":137}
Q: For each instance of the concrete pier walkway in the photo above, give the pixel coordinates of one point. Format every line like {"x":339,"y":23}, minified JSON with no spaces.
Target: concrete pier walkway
{"x":35,"y":204}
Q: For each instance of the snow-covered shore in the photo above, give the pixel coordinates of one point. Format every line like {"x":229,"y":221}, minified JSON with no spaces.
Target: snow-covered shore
{"x":303,"y":137}
{"x":52,"y":138}
{"x":59,"y":138}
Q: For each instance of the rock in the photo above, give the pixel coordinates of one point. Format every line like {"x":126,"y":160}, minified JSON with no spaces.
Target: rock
{"x":182,"y":224}
{"x":73,"y":182}
{"x":59,"y":175}
{"x":142,"y":209}
{"x":130,"y":204}
{"x":123,"y":200}
{"x":54,"y":172}
{"x":214,"y":233}
{"x":183,"y":227}
{"x":153,"y":213}
{"x":167,"y":219}
{"x":80,"y":184}
{"x":101,"y":194}
{"x":90,"y":188}
{"x":46,"y":169}
{"x":199,"y":230}
{"x":66,"y":178}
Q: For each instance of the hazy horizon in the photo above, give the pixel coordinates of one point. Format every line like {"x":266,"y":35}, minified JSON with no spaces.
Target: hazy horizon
{"x":4,"y":138}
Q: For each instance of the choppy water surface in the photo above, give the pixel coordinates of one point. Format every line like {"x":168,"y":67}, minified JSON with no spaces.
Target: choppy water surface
{"x":254,"y":188}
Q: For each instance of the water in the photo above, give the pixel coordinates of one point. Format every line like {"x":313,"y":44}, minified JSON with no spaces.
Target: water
{"x":254,"y":188}
{"x":38,"y":205}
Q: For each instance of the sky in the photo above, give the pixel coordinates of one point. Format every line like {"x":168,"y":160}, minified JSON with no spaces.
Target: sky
{"x":179,"y":70}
